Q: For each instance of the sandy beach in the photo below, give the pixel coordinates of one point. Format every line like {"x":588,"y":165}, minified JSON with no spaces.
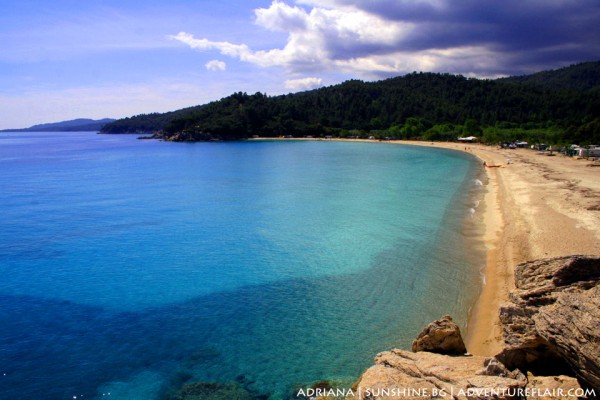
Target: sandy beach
{"x":535,"y":206}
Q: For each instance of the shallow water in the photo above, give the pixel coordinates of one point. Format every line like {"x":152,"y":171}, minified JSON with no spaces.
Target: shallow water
{"x":130,"y":266}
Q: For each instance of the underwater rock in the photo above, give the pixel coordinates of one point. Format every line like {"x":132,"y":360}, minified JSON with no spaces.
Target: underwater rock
{"x":212,"y":391}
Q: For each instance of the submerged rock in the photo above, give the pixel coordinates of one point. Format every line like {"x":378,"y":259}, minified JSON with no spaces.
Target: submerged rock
{"x":441,"y":336}
{"x":212,"y":391}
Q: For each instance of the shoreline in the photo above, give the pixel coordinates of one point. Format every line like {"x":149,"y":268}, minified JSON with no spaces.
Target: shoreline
{"x":535,"y":207}
{"x":483,"y":334}
{"x":483,"y":331}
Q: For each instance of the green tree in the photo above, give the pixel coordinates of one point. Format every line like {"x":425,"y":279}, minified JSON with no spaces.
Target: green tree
{"x":472,"y":128}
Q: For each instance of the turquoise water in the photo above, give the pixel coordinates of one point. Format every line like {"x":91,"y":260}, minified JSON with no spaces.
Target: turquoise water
{"x":130,"y":266}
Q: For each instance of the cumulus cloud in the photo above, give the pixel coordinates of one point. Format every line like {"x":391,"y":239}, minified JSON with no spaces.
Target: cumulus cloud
{"x":316,"y":39}
{"x":374,"y":38}
{"x":215,"y":65}
{"x":281,"y":17}
{"x":303,"y":83}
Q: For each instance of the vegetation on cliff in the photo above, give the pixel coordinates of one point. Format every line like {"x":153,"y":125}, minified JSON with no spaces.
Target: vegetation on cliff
{"x":552,"y":107}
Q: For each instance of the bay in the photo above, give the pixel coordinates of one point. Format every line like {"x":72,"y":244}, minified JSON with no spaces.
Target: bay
{"x":132,"y":266}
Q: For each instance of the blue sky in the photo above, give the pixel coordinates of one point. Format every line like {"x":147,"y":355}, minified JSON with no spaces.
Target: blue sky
{"x":66,"y":59}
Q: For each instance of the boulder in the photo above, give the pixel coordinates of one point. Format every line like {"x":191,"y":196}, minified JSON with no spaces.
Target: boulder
{"x":441,"y":336}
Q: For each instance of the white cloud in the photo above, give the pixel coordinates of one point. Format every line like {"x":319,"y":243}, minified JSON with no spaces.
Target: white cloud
{"x":303,"y":83}
{"x":215,"y":65}
{"x":316,"y":39}
{"x":375,"y":38}
{"x":281,"y":17}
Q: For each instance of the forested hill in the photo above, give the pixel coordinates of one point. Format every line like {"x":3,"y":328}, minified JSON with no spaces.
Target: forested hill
{"x":580,"y":77}
{"x":430,"y":106}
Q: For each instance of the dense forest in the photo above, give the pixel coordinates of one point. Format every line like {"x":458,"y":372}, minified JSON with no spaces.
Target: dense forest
{"x":552,"y":107}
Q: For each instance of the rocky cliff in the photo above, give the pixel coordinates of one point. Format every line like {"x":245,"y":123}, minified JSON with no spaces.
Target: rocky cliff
{"x":552,"y":323}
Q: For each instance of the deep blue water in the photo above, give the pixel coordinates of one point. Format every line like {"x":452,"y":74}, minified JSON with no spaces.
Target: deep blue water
{"x":130,"y":266}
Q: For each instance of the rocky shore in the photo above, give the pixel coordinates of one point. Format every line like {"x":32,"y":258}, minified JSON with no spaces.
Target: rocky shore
{"x":551,"y":331}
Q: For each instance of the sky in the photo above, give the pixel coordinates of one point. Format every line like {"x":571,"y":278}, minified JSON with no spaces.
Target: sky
{"x":66,"y":59}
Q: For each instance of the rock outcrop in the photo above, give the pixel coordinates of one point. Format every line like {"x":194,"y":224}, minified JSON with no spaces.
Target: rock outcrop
{"x":441,"y":336}
{"x":571,"y":326}
{"x":551,"y":325}
{"x":402,"y":374}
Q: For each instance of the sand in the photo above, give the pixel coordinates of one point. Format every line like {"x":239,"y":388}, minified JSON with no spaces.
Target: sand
{"x":535,"y":206}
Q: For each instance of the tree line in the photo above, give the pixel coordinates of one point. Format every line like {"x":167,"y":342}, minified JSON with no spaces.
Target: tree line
{"x":554,"y":107}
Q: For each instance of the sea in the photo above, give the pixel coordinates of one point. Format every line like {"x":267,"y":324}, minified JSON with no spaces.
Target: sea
{"x":129,"y":267}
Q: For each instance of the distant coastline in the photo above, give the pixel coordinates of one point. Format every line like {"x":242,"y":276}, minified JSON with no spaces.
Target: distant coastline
{"x":75,"y":125}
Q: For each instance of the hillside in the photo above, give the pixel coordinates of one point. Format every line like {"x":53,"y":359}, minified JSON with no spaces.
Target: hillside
{"x":583,"y":77}
{"x":75,"y":125}
{"x":419,"y":105}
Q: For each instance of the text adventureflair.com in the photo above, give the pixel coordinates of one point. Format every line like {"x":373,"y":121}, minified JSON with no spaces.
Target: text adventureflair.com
{"x":368,"y":393}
